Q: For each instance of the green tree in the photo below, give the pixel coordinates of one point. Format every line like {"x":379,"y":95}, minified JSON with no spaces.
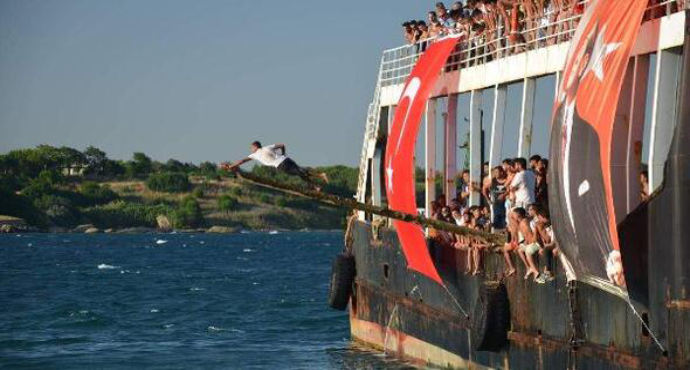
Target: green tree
{"x":168,"y":182}
{"x":198,"y":192}
{"x":95,"y":194}
{"x":209,"y":170}
{"x":281,"y":202}
{"x":188,"y":214}
{"x":51,"y":177}
{"x":122,"y":214}
{"x":12,"y":204}
{"x":140,"y":165}
{"x":114,"y":168}
{"x":96,"y":161}
{"x":236,"y":191}
{"x":69,"y":158}
{"x":226,"y":203}
{"x":173,"y":165}
{"x":59,"y":210}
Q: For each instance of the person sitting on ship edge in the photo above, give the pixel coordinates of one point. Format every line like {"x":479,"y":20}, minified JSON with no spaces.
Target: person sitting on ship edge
{"x":274,"y":156}
{"x":548,"y":243}
{"x":511,"y":244}
{"x":529,"y":245}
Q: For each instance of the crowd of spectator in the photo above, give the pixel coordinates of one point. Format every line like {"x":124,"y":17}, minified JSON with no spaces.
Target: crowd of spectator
{"x":514,"y":201}
{"x":511,"y":25}
{"x":497,"y":23}
{"x":514,"y":196}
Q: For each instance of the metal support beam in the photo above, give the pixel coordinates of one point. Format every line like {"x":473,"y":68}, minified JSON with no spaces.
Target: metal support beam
{"x":499,"y":114}
{"x":391,"y":116}
{"x":377,"y":162}
{"x":620,"y":144}
{"x":475,"y":144}
{"x":557,"y":84}
{"x":430,"y":154}
{"x":663,"y":112}
{"x":375,"y":176}
{"x":451,"y":134}
{"x":526,"y":117}
{"x":638,"y":102}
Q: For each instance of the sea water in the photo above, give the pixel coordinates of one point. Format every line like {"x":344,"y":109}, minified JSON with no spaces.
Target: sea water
{"x":173,"y":301}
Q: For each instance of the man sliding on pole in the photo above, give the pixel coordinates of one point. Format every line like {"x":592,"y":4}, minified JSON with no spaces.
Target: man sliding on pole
{"x":274,"y":156}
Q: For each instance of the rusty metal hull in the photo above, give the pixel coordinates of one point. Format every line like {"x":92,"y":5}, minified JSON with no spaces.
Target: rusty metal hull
{"x":553,"y":325}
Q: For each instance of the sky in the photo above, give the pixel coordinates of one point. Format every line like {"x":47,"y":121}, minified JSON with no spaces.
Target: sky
{"x":194,"y":80}
{"x":200,"y":80}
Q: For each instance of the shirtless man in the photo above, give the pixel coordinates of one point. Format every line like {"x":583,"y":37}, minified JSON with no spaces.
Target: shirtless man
{"x":548,"y":243}
{"x":512,"y":245}
{"x":274,"y":156}
{"x":529,"y":246}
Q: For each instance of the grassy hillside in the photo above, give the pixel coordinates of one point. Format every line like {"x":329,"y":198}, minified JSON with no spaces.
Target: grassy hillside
{"x":256,"y":208}
{"x":63,"y":187}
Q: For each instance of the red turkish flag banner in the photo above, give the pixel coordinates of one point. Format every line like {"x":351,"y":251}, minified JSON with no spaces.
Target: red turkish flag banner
{"x":580,"y":177}
{"x":400,"y":182}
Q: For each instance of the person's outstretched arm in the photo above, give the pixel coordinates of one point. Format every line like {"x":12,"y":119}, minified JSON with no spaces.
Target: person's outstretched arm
{"x":234,"y":166}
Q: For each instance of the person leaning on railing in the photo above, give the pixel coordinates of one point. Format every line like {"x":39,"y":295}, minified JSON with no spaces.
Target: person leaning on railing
{"x":408,"y":32}
{"x":522,"y":21}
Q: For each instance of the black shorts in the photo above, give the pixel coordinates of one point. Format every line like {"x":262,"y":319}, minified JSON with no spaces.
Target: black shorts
{"x":290,"y":167}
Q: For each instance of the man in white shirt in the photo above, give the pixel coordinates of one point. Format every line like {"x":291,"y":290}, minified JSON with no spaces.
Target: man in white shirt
{"x":523,"y":184}
{"x":274,"y":156}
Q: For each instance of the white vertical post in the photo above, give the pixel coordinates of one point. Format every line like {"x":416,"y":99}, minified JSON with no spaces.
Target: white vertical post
{"x":496,"y":146}
{"x":391,"y":116}
{"x":638,"y":102}
{"x":557,"y":85}
{"x":663,"y":113}
{"x":620,"y":144}
{"x":377,"y":162}
{"x":526,"y":117}
{"x":451,"y":148}
{"x":475,"y":144}
{"x":376,"y":177}
{"x":430,"y":154}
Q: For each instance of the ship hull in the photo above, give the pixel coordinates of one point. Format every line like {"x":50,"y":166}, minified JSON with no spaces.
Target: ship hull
{"x":553,"y":326}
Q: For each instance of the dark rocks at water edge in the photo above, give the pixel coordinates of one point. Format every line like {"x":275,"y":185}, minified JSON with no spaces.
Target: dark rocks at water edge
{"x":90,"y":229}
{"x":136,"y":230}
{"x":10,"y":225}
{"x":10,"y":229}
{"x":222,"y":230}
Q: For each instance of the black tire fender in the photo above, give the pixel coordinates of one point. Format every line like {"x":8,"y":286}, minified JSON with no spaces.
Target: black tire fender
{"x":490,"y":321}
{"x":342,"y":276}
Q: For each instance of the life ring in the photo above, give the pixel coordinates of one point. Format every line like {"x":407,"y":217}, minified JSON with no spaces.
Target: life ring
{"x":342,"y":276}
{"x":491,"y":319}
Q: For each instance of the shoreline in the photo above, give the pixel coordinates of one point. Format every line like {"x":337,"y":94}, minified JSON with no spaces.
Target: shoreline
{"x":145,"y":230}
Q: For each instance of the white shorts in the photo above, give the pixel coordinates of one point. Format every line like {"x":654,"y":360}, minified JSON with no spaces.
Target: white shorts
{"x":529,"y":249}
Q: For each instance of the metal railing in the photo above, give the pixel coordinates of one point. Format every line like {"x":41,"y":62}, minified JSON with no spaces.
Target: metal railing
{"x":370,"y":132}
{"x":544,"y":30}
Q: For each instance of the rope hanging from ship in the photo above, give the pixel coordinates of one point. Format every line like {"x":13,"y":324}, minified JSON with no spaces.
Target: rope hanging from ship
{"x":337,"y":201}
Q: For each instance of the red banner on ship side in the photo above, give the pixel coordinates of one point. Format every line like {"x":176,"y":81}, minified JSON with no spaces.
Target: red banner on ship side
{"x":400,"y":183}
{"x":580,"y":178}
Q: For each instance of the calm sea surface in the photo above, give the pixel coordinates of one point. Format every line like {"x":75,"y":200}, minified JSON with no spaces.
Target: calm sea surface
{"x":173,"y":301}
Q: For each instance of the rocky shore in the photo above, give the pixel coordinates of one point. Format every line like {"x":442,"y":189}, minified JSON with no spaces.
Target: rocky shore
{"x":13,"y":225}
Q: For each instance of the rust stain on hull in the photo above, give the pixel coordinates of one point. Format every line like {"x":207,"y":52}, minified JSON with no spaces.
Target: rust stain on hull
{"x":553,"y":325}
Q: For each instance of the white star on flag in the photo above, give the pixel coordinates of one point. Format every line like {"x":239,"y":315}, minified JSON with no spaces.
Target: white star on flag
{"x":599,"y":54}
